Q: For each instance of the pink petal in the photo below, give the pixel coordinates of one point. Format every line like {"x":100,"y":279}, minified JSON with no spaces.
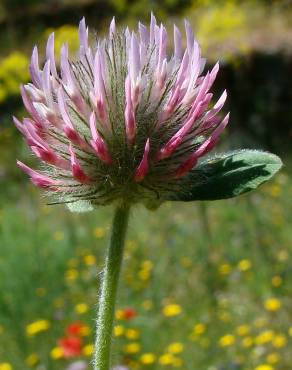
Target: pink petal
{"x":50,"y":54}
{"x":38,"y":179}
{"x":77,"y":171}
{"x":98,"y":143}
{"x":130,"y":122}
{"x":34,"y":68}
{"x":142,"y":169}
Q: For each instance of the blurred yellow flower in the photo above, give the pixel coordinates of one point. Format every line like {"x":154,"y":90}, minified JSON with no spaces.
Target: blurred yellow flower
{"x":264,"y":367}
{"x":32,"y":359}
{"x":132,"y":348}
{"x":272,"y":304}
{"x":199,"y":329}
{"x":147,"y":358}
{"x":264,"y":337}
{"x":171,"y":310}
{"x":166,"y":359}
{"x":242,"y":330}
{"x":99,"y":232}
{"x":88,"y":350}
{"x":247,"y":342}
{"x":132,"y":334}
{"x":89,"y":260}
{"x":56,"y":353}
{"x":244,"y":265}
{"x":37,"y":327}
{"x":5,"y":366}
{"x":119,"y":330}
{"x":175,"y":348}
{"x":85,"y":330}
{"x":81,"y":308}
{"x":227,"y":340}
{"x":177,"y":362}
{"x":273,"y":358}
{"x":71,"y":275}
{"x":277,"y":281}
{"x":224,"y":269}
{"x":144,"y":275}
{"x":279,"y":341}
{"x":147,"y":265}
{"x":290,"y":331}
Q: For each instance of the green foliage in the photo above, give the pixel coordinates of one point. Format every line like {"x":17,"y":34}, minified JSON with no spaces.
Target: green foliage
{"x":229,"y":175}
{"x":220,"y":263}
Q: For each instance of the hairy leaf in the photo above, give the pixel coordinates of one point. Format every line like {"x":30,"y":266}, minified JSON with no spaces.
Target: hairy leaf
{"x":229,"y":175}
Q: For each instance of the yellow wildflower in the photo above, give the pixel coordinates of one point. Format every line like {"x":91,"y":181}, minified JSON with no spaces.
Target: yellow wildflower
{"x":5,"y":366}
{"x":56,"y":353}
{"x":99,"y":232}
{"x":224,"y":269}
{"x":273,"y":358}
{"x":175,"y":348}
{"x":264,"y":367}
{"x":88,"y":350}
{"x":242,"y":330}
{"x":132,"y":334}
{"x":199,"y":329}
{"x":277,"y":281}
{"x":147,"y":358}
{"x":244,"y":265}
{"x":32,"y":359}
{"x":264,"y":337}
{"x":85,"y":330}
{"x":290,"y":331}
{"x":144,"y":274}
{"x":132,"y":348}
{"x":37,"y":327}
{"x":81,"y":308}
{"x":119,"y":330}
{"x":89,"y":260}
{"x":171,"y":310}
{"x":166,"y":359}
{"x":272,"y":304}
{"x":247,"y":342}
{"x":119,"y":314}
{"x":147,"y":265}
{"x":279,"y":341}
{"x":227,"y":340}
{"x":71,"y":275}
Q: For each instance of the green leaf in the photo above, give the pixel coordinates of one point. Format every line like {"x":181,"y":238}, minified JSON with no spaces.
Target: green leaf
{"x":229,"y":175}
{"x":80,"y":206}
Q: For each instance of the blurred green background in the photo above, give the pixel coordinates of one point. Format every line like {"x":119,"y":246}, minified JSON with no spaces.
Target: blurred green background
{"x":204,"y":286}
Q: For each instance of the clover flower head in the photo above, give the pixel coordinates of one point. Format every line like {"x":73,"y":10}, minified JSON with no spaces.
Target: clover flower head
{"x":124,"y":119}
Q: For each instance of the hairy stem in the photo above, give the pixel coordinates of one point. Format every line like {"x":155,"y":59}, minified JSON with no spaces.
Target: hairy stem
{"x":109,"y":286}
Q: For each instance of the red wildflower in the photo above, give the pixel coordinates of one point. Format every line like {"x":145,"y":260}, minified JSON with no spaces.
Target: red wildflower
{"x":129,"y":313}
{"x":75,"y":329}
{"x":71,"y":346}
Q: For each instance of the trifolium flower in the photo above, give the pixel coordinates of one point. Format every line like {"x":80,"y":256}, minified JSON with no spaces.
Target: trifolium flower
{"x":122,"y":120}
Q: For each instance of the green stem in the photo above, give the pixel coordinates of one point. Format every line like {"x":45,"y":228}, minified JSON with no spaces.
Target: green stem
{"x":109,"y":286}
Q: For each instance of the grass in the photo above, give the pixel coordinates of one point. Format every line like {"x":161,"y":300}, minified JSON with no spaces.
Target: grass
{"x":194,"y":274}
